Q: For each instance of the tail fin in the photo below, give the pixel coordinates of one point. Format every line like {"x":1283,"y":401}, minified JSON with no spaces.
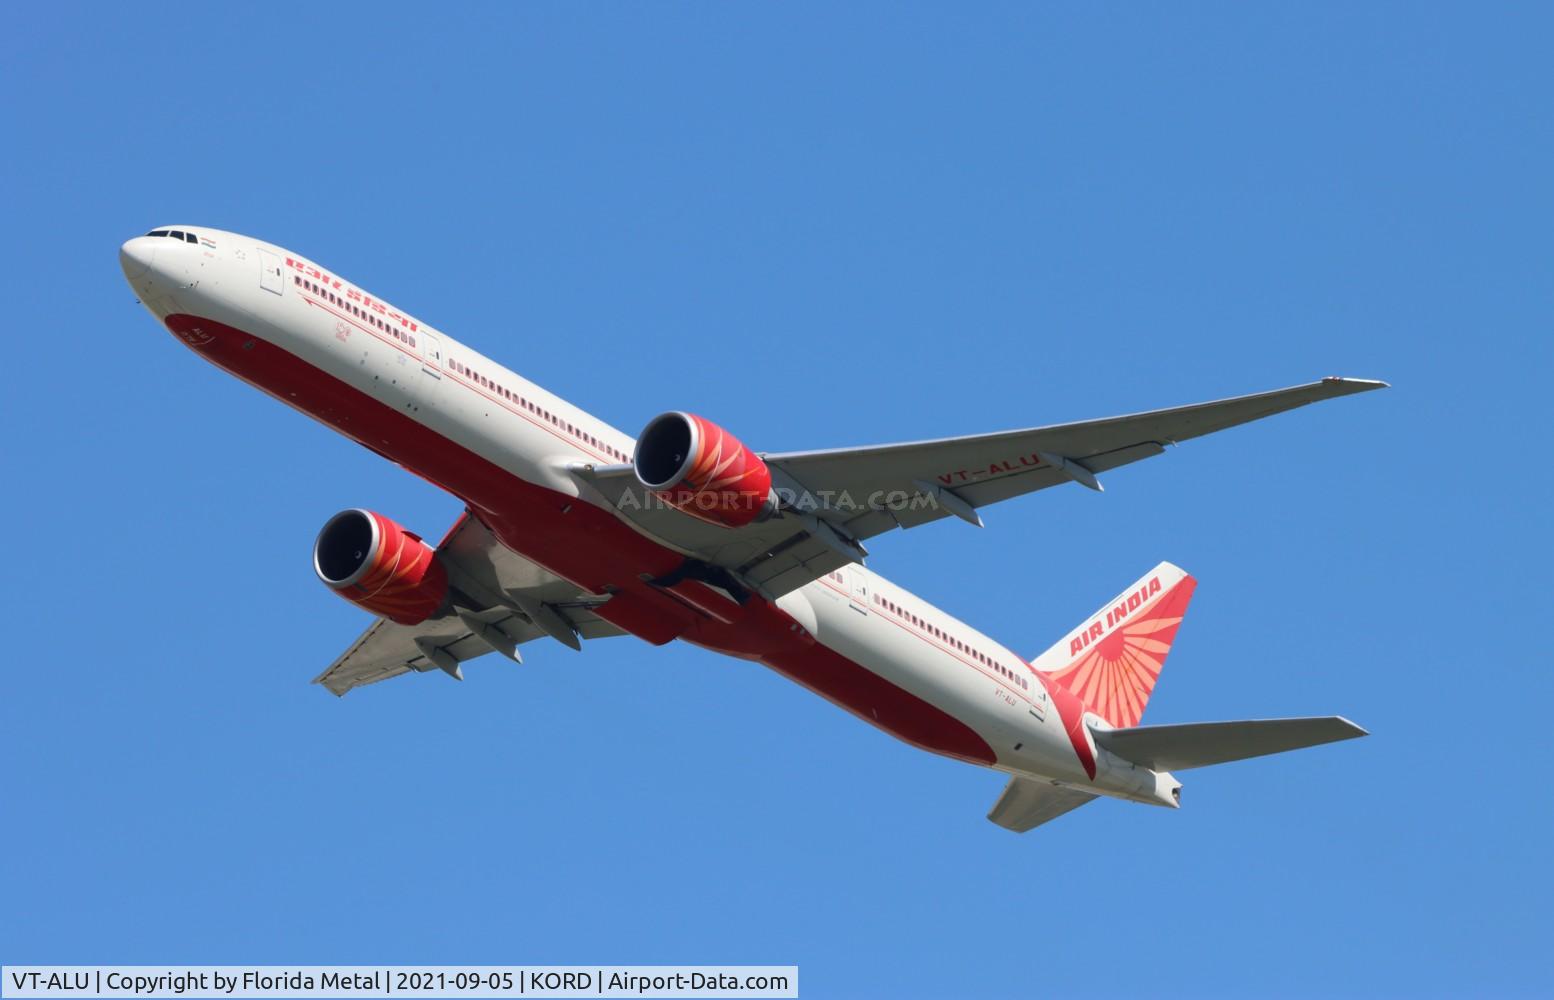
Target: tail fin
{"x":1111,"y":661}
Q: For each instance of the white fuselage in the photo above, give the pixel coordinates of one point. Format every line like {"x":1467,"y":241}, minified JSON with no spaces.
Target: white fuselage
{"x":226,"y":282}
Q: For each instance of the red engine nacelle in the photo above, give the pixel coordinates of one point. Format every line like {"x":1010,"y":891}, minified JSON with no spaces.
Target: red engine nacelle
{"x":703,"y":470}
{"x":378,"y":565}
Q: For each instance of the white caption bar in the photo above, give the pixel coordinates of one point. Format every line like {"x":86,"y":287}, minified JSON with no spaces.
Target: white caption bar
{"x":84,"y":982}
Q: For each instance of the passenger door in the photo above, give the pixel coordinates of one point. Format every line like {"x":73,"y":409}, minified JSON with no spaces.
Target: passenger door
{"x":431,"y":355}
{"x":857,"y":588}
{"x":270,"y":272}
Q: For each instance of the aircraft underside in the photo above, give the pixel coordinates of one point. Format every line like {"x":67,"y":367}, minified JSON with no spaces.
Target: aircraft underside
{"x":574,"y":533}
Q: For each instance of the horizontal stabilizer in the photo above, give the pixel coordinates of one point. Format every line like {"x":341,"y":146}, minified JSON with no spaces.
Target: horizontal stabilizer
{"x":1199,"y":744}
{"x":1027,"y":804}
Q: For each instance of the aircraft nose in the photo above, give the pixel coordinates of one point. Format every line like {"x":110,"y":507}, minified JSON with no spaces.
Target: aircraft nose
{"x":135,"y":256}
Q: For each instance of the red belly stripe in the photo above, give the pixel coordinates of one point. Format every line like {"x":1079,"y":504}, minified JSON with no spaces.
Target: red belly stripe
{"x":580,"y":542}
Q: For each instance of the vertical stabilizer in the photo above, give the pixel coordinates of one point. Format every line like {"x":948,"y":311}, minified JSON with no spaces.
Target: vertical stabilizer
{"x":1112,"y":660}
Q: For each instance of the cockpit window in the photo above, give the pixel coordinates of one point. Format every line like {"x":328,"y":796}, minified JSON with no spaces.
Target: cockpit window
{"x":177,"y":234}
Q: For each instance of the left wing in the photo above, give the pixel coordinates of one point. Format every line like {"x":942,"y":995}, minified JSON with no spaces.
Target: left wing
{"x":833,"y":500}
{"x":387,"y":650}
{"x":522,"y":602}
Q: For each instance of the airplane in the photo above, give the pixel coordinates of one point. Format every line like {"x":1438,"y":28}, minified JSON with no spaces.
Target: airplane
{"x":573,"y":531}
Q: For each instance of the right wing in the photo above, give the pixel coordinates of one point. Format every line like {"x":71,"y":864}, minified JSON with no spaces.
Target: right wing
{"x":986,"y":468}
{"x":1027,"y":804}
{"x":846,"y":495}
{"x":521,"y":602}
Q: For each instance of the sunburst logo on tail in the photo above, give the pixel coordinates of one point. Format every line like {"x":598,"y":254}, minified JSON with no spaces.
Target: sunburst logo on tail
{"x":1119,"y":655}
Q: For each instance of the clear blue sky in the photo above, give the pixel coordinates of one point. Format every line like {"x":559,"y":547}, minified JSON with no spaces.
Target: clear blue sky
{"x":820,"y":227}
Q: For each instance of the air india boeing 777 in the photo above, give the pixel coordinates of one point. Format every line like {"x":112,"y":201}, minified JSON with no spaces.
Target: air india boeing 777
{"x":574,"y":531}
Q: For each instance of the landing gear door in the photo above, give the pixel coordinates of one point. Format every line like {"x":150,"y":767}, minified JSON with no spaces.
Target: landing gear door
{"x":431,"y":355}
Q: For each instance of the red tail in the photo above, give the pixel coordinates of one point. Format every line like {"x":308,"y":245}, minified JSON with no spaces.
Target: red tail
{"x":1112,"y":661}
